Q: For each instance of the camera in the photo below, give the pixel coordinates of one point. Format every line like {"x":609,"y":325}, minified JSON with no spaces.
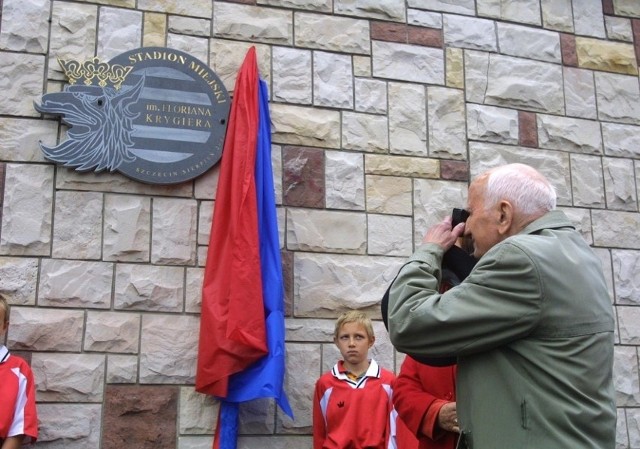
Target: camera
{"x":458,"y":216}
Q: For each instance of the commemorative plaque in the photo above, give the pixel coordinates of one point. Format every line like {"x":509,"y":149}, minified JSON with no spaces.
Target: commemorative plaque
{"x":154,"y":114}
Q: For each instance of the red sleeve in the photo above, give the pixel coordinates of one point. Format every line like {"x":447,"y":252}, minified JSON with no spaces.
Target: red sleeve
{"x":410,"y":399}
{"x":319,"y":430}
{"x":431,"y":420}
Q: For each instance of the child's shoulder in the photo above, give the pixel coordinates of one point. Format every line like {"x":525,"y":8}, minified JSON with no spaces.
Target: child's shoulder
{"x":14,"y":361}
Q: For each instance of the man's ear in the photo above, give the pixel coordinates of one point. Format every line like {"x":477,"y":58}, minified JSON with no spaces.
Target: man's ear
{"x":505,"y":220}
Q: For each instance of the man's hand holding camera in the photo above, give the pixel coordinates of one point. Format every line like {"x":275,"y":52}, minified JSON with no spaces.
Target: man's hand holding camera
{"x":443,"y":235}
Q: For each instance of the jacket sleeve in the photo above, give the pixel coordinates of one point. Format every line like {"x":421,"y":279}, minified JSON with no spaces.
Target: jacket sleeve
{"x":498,"y":302}
{"x":319,"y":428}
{"x":410,"y":399}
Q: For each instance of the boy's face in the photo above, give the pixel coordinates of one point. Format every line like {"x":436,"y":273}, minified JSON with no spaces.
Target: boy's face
{"x":353,"y":343}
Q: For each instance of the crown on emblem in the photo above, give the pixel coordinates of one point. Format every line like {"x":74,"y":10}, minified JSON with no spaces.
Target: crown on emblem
{"x":94,"y":71}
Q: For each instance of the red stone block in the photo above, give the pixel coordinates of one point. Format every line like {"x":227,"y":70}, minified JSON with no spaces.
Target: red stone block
{"x":607,"y":7}
{"x":454,"y":170}
{"x":568,"y":48}
{"x":635,"y":26}
{"x":428,"y":37}
{"x":528,"y":129}
{"x":390,"y":32}
{"x":141,"y":417}
{"x":303,"y":177}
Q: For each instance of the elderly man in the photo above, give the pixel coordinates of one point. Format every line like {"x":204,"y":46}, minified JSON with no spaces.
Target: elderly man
{"x":531,"y":326}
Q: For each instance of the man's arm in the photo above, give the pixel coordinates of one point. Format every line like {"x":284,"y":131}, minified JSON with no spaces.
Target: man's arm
{"x":498,"y":302}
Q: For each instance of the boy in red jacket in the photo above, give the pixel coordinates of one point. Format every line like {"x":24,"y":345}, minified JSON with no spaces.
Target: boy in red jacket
{"x":352,"y":402}
{"x":18,"y":419}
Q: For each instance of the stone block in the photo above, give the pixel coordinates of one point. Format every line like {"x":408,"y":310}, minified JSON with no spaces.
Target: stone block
{"x":198,"y":8}
{"x":168,"y":349}
{"x":296,"y":125}
{"x":588,"y":20}
{"x":492,"y":124}
{"x":626,"y":276}
{"x":315,"y":230}
{"x":432,"y":200}
{"x":568,"y":48}
{"x":189,"y":25}
{"x":407,"y":119}
{"x":155,"y":29}
{"x":530,"y":43}
{"x":393,"y":10}
{"x":332,"y":80}
{"x":466,"y":7}
{"x":469,"y":32}
{"x":21,"y":81}
{"x":20,"y":138}
{"x":596,"y":54}
{"x":618,"y":98}
{"x":292,"y":75}
{"x":25,"y":26}
{"x":27,"y":210}
{"x":579,"y":93}
{"x":524,"y":84}
{"x":69,"y":377}
{"x":69,"y":426}
{"x":143,"y":417}
{"x":74,"y":30}
{"x":455,"y":67}
{"x":587,"y":181}
{"x":253,"y":23}
{"x":616,"y":229}
{"x":112,"y":332}
{"x":621,"y":140}
{"x":18,"y":279}
{"x":328,"y":284}
{"x":370,"y":96}
{"x":77,"y":229}
{"x":75,"y":283}
{"x":389,"y":195}
{"x":401,"y":166}
{"x":120,"y":30}
{"x":193,"y":290}
{"x":404,"y":62}
{"x":174,"y":227}
{"x":344,"y":180}
{"x":122,"y":369}
{"x":625,"y":378}
{"x":127,"y":228}
{"x":522,"y":11}
{"x":620,"y":188}
{"x":303,"y":360}
{"x":332,"y":33}
{"x":569,"y":134}
{"x":557,"y":15}
{"x":40,"y":329}
{"x":149,"y":287}
{"x":389,"y":235}
{"x":227,"y":56}
{"x":197,"y":412}
{"x":446,"y":123}
{"x":303,"y":177}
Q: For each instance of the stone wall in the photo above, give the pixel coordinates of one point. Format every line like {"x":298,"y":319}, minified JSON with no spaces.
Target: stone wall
{"x":382,"y":110}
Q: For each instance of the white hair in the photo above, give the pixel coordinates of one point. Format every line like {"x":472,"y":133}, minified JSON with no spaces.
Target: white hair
{"x":523,"y":186}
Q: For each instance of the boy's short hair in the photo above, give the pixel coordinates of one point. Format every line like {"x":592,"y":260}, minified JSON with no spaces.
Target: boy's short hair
{"x":354,"y":316}
{"x":4,"y":305}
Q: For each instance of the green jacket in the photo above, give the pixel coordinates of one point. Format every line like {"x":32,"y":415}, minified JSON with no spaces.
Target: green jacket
{"x":532,"y":328}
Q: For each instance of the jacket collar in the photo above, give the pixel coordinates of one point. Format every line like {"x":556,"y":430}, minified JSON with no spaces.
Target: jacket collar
{"x":551,"y":220}
{"x":4,"y":354}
